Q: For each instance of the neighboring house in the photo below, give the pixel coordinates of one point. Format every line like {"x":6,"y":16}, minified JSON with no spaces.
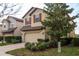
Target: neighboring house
{"x":0,"y":29}
{"x":11,"y":26}
{"x":33,"y":29}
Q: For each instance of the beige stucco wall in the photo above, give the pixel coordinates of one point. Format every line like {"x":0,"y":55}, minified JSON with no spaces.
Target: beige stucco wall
{"x":19,"y":25}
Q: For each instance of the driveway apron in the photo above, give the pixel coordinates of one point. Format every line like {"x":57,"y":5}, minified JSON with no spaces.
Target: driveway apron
{"x":4,"y":49}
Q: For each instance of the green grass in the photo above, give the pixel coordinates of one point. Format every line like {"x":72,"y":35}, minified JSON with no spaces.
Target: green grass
{"x":3,"y":44}
{"x":66,"y":51}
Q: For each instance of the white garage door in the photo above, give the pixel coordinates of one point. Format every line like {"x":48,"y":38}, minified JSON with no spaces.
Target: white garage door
{"x":32,"y":36}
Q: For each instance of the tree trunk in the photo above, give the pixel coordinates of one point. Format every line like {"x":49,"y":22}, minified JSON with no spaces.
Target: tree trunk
{"x":3,"y":41}
{"x":59,"y":45}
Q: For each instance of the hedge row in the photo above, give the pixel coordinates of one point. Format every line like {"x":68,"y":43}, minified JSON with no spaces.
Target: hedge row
{"x":1,"y":38}
{"x":11,"y":39}
{"x":40,"y":46}
{"x":45,"y":44}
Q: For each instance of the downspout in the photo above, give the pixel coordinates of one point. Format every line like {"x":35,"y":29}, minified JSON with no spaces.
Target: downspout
{"x":24,"y":37}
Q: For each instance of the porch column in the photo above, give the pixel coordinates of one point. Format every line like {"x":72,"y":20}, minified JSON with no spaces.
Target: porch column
{"x":23,"y":37}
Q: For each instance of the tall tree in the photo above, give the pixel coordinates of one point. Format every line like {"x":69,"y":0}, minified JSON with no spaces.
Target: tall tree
{"x":9,"y":9}
{"x":58,"y":21}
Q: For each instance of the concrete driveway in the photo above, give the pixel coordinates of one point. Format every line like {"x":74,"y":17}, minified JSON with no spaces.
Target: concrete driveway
{"x":4,"y":49}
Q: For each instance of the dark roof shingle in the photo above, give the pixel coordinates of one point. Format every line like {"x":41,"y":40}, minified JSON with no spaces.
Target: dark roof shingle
{"x":29,"y":28}
{"x":10,"y":30}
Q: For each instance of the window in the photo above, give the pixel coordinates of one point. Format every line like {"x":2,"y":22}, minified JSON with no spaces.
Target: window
{"x":12,"y":25}
{"x":37,"y":18}
{"x":28,"y":21}
{"x":25,"y":21}
{"x":4,"y":25}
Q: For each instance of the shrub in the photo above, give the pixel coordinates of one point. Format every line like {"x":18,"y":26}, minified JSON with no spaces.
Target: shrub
{"x":75,"y":42}
{"x":1,"y":38}
{"x":65,"y":41}
{"x":52,"y":43}
{"x":34,"y":48}
{"x":9,"y":39}
{"x":13,"y":39}
{"x":55,"y":44}
{"x":28,"y":46}
{"x":47,"y":44}
{"x":27,"y":43}
{"x":40,"y":40}
{"x":46,"y":40}
{"x":42,"y":46}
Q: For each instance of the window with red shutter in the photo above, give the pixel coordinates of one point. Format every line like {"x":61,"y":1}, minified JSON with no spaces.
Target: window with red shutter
{"x":26,"y":21}
{"x":37,"y":18}
{"x":40,"y":15}
{"x":34,"y":18}
{"x":30,"y":20}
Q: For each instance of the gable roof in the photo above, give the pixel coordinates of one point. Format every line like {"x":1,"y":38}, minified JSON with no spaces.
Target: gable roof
{"x":17,"y":19}
{"x":35,"y":8}
{"x":10,"y":30}
{"x":6,"y":20}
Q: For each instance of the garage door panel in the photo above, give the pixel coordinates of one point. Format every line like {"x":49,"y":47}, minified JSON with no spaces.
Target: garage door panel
{"x":33,"y":36}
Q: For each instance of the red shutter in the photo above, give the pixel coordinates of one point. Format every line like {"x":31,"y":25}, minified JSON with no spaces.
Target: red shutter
{"x":25,"y":21}
{"x":34,"y":18}
{"x":30,"y":20}
{"x":40,"y":15}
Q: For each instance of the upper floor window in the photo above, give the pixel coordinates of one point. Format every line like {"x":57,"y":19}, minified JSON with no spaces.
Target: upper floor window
{"x":28,"y":21}
{"x":12,"y":25}
{"x":4,"y":25}
{"x":25,"y":21}
{"x":37,"y":18}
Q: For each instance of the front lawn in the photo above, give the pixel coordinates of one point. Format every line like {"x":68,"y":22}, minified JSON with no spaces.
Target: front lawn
{"x":66,"y":51}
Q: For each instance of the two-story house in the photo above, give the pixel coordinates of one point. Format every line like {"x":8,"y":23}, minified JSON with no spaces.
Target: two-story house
{"x":0,"y":29}
{"x":33,"y":29}
{"x":11,"y":26}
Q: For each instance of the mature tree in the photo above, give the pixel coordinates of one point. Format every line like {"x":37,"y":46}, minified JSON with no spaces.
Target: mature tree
{"x":58,"y":21}
{"x":9,"y":9}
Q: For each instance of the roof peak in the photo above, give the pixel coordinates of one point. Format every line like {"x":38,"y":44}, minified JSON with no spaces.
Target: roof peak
{"x":30,"y":10}
{"x":17,"y":19}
